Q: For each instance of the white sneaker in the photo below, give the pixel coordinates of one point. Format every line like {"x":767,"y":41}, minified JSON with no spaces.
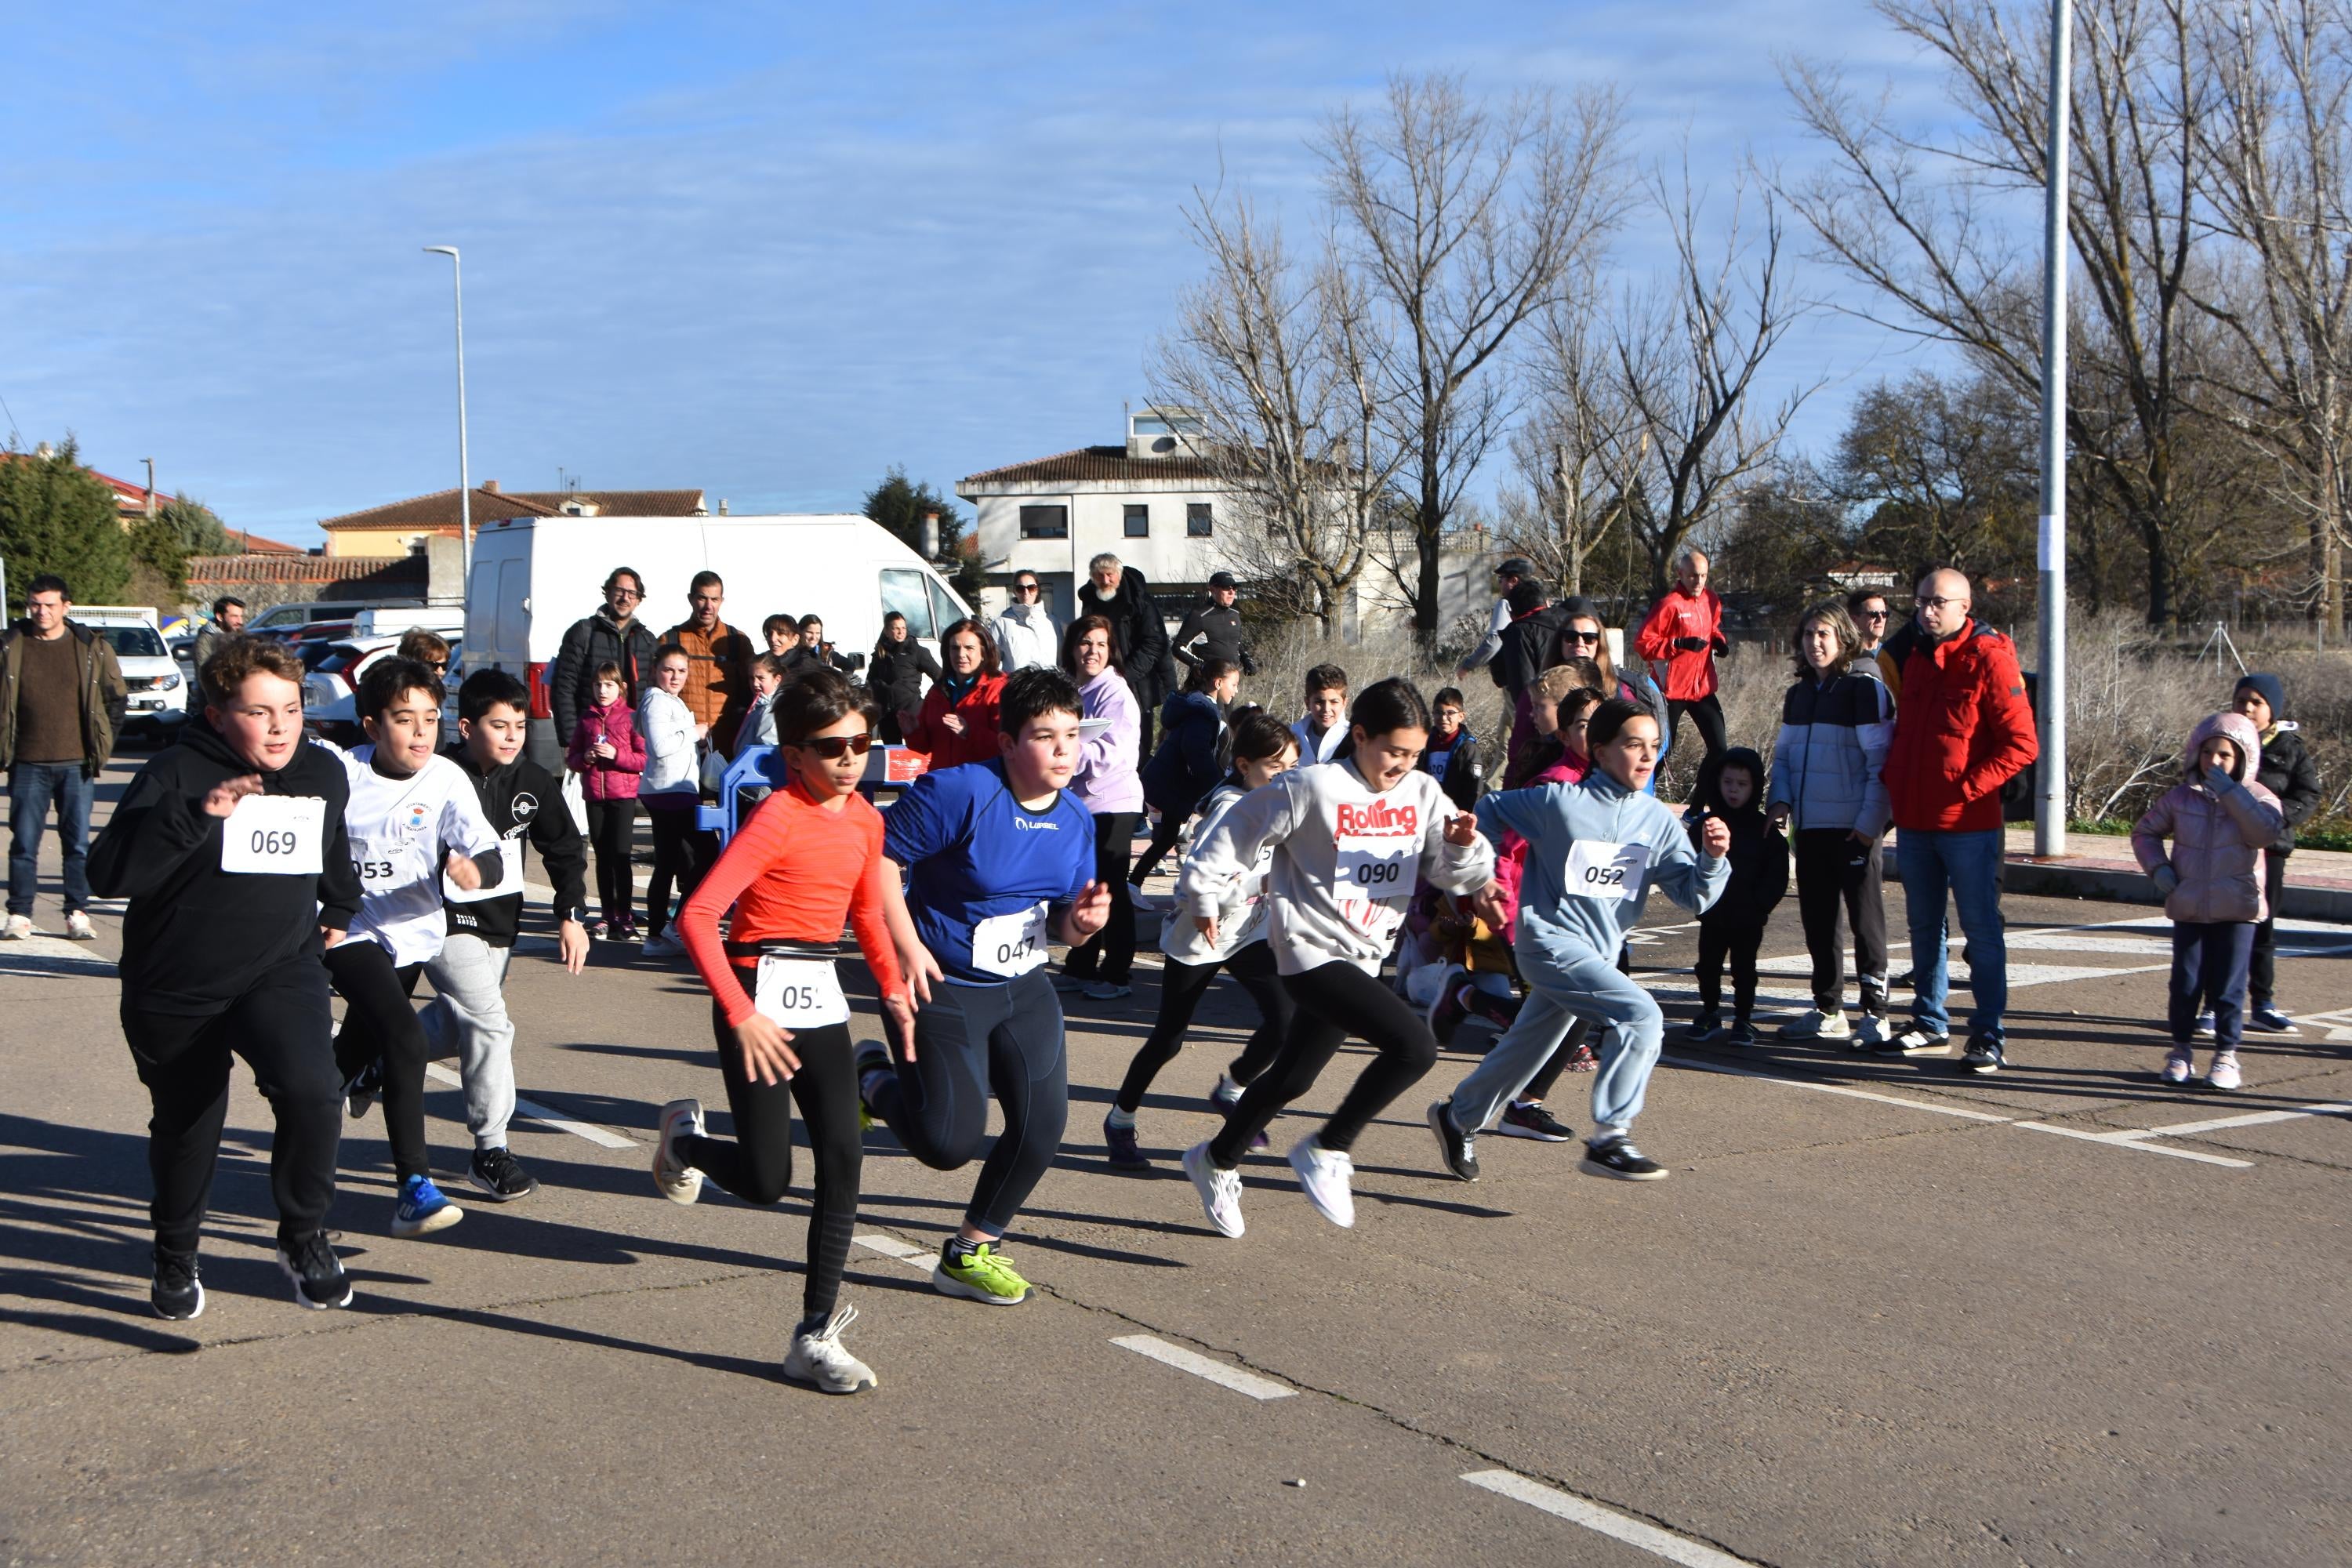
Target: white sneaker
{"x":1815,"y":1025}
{"x":2179,"y":1063}
{"x":77,"y":926}
{"x":663,"y":946}
{"x":1325,"y":1174}
{"x":1220,"y":1191}
{"x":818,"y":1357}
{"x":2223,"y":1073}
{"x":680,"y":1183}
{"x":18,"y":928}
{"x":1871,"y":1031}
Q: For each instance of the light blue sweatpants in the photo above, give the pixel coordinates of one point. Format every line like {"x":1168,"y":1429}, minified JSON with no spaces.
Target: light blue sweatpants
{"x":1565,"y":984}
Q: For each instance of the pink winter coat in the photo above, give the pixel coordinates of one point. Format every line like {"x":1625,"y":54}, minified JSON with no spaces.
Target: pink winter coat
{"x":617,"y":779}
{"x":2218,"y":837}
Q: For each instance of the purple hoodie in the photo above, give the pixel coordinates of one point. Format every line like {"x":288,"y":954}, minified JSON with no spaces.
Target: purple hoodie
{"x":1107,"y":779}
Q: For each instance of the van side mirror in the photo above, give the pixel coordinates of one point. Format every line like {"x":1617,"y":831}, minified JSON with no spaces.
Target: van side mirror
{"x":857,"y":660}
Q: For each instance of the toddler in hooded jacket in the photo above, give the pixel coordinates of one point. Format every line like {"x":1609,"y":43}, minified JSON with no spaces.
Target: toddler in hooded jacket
{"x":2221,"y":821}
{"x":1732,"y":928}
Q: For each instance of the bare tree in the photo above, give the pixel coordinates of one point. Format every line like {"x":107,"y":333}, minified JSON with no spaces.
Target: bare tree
{"x":2278,"y":157}
{"x":1579,"y":452}
{"x":1945,"y":473}
{"x":1683,"y":358}
{"x":1284,"y":364}
{"x":1465,"y":221}
{"x":1935,"y":246}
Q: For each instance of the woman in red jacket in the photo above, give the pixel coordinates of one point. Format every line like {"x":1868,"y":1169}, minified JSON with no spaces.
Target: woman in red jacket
{"x":958,"y":722}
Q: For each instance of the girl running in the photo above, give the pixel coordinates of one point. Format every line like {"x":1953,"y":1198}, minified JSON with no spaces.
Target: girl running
{"x":1595,"y":850}
{"x":988,"y":851}
{"x":808,"y":861}
{"x":1263,"y":750}
{"x":1349,"y":841}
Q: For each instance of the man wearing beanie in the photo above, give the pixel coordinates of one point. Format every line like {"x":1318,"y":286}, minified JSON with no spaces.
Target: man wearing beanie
{"x":2285,"y":770}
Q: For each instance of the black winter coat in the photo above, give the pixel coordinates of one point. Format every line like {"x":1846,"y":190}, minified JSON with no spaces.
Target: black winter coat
{"x":593,"y":640}
{"x":523,"y":799}
{"x":1760,"y":868}
{"x":1139,"y":639}
{"x":895,"y":675}
{"x":2287,"y":771}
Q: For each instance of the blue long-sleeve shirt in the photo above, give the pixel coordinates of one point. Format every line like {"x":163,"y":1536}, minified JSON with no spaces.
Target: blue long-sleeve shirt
{"x":1579,"y":899}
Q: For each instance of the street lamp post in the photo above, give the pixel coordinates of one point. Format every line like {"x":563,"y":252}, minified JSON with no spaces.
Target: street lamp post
{"x":464,"y":484}
{"x":2050,"y":802}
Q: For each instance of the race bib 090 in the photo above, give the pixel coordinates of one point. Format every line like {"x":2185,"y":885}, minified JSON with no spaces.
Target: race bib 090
{"x":275,"y":836}
{"x":1599,"y":869}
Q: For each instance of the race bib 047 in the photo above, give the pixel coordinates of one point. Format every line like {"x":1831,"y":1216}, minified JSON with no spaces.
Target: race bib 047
{"x":275,"y":836}
{"x":1010,"y":944}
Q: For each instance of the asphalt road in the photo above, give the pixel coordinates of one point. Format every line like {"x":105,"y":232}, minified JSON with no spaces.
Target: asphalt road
{"x":1881,"y":1313}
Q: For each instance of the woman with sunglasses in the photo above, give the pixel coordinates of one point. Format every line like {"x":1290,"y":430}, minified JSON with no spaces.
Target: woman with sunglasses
{"x":1582,"y":636}
{"x":1025,"y":633}
{"x":809,"y":860}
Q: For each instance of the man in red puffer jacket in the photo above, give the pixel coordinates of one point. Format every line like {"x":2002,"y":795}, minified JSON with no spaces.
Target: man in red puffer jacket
{"x":1962,"y":729}
{"x":1680,"y":640}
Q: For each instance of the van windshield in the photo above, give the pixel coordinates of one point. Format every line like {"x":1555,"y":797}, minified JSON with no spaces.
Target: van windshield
{"x":902,"y":591}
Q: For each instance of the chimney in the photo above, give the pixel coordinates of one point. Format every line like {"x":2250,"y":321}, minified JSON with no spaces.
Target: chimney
{"x":722,"y":506}
{"x":930,"y":536}
{"x":491,"y":486}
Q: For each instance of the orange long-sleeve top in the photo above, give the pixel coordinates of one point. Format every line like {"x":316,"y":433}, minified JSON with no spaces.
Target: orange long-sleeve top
{"x":794,"y":872}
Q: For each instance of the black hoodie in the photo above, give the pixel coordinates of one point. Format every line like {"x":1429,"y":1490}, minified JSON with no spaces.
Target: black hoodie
{"x":196,"y":938}
{"x":1760,"y":852}
{"x":521,"y":797}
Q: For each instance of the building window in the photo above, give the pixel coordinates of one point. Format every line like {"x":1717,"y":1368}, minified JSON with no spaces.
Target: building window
{"x":1045,"y":522}
{"x":1138,"y":521}
{"x":1198,"y":520}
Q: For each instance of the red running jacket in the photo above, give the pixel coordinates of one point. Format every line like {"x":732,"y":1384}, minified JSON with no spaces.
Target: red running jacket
{"x":1690,"y":672}
{"x":1962,"y":728}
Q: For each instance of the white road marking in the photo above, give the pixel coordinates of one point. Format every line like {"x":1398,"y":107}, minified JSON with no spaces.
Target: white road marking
{"x":2251,"y":1119}
{"x":2114,"y":1140}
{"x":1929,"y":1106}
{"x":531,"y":1111}
{"x":892,"y":1247}
{"x":1217,"y":1372}
{"x":1605,"y":1522}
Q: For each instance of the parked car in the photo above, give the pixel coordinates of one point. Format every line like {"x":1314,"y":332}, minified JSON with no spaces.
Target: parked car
{"x":330,"y":691}
{"x":847,"y":569}
{"x":279,"y":620}
{"x":157,"y":706}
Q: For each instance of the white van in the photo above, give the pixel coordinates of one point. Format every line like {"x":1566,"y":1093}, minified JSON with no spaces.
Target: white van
{"x":533,"y":577}
{"x":158,"y":703}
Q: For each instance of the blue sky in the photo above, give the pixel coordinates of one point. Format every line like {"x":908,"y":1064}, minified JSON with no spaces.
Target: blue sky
{"x":765,"y":250}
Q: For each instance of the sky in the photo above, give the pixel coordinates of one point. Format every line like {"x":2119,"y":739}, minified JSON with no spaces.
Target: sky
{"x":765,"y":250}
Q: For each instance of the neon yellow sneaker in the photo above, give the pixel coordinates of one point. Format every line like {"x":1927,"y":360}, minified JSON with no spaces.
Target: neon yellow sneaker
{"x":980,"y":1274}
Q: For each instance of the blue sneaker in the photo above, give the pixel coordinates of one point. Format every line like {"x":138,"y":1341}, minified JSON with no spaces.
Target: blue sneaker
{"x":422,"y":1209}
{"x":1126,"y":1155}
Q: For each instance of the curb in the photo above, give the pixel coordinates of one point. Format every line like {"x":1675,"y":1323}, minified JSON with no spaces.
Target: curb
{"x":2059,"y":879}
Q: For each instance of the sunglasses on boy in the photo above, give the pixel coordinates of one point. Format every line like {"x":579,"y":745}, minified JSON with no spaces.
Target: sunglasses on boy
{"x":832,"y":747}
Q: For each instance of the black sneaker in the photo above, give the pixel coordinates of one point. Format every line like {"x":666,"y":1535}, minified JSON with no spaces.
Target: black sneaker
{"x":177,"y":1293}
{"x":1703,"y":1027}
{"x":1742,"y":1035}
{"x":1913,"y":1042}
{"x":1984,"y":1057}
{"x":1458,"y":1150}
{"x":316,"y":1274}
{"x":501,"y":1174}
{"x":1619,"y":1158}
{"x":1533,"y":1121}
{"x":1126,"y":1154}
{"x":364,"y":1086}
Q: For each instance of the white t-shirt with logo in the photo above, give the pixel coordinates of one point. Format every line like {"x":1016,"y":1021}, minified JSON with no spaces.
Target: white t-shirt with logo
{"x":401,"y":830}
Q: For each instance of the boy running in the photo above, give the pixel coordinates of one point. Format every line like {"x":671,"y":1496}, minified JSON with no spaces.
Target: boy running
{"x":468,"y":1009}
{"x":988,"y":852}
{"x":230,"y":847}
{"x":413,"y":818}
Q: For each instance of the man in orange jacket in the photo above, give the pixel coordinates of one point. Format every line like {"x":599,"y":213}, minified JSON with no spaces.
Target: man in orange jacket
{"x":1680,"y":640}
{"x":1962,"y":729}
{"x":718,"y":662}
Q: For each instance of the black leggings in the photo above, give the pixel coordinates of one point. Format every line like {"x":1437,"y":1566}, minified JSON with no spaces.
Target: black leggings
{"x":1737,"y":941}
{"x":973,"y":1041}
{"x":1164,"y":835}
{"x":756,"y":1166}
{"x":1334,"y":1002}
{"x":1836,"y":876}
{"x":281,"y":1028}
{"x":1706,"y":717}
{"x":380,"y":1023}
{"x":682,"y":852}
{"x":611,"y":823}
{"x":1109,"y":953}
{"x":1181,"y":986}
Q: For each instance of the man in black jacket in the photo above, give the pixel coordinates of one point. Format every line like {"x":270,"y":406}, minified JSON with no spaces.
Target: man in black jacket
{"x":1217,"y":627}
{"x":2286,"y":770}
{"x":1138,"y":638}
{"x":231,"y":850}
{"x":613,"y":632}
{"x":469,"y":1010}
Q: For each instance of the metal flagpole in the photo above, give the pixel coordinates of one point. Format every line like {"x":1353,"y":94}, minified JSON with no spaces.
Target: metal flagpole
{"x":2050,"y":805}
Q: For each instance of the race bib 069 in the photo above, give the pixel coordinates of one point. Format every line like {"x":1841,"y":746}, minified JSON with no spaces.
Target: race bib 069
{"x":800,"y":993}
{"x":1010,"y":945}
{"x":1599,"y":869}
{"x":275,"y":836}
